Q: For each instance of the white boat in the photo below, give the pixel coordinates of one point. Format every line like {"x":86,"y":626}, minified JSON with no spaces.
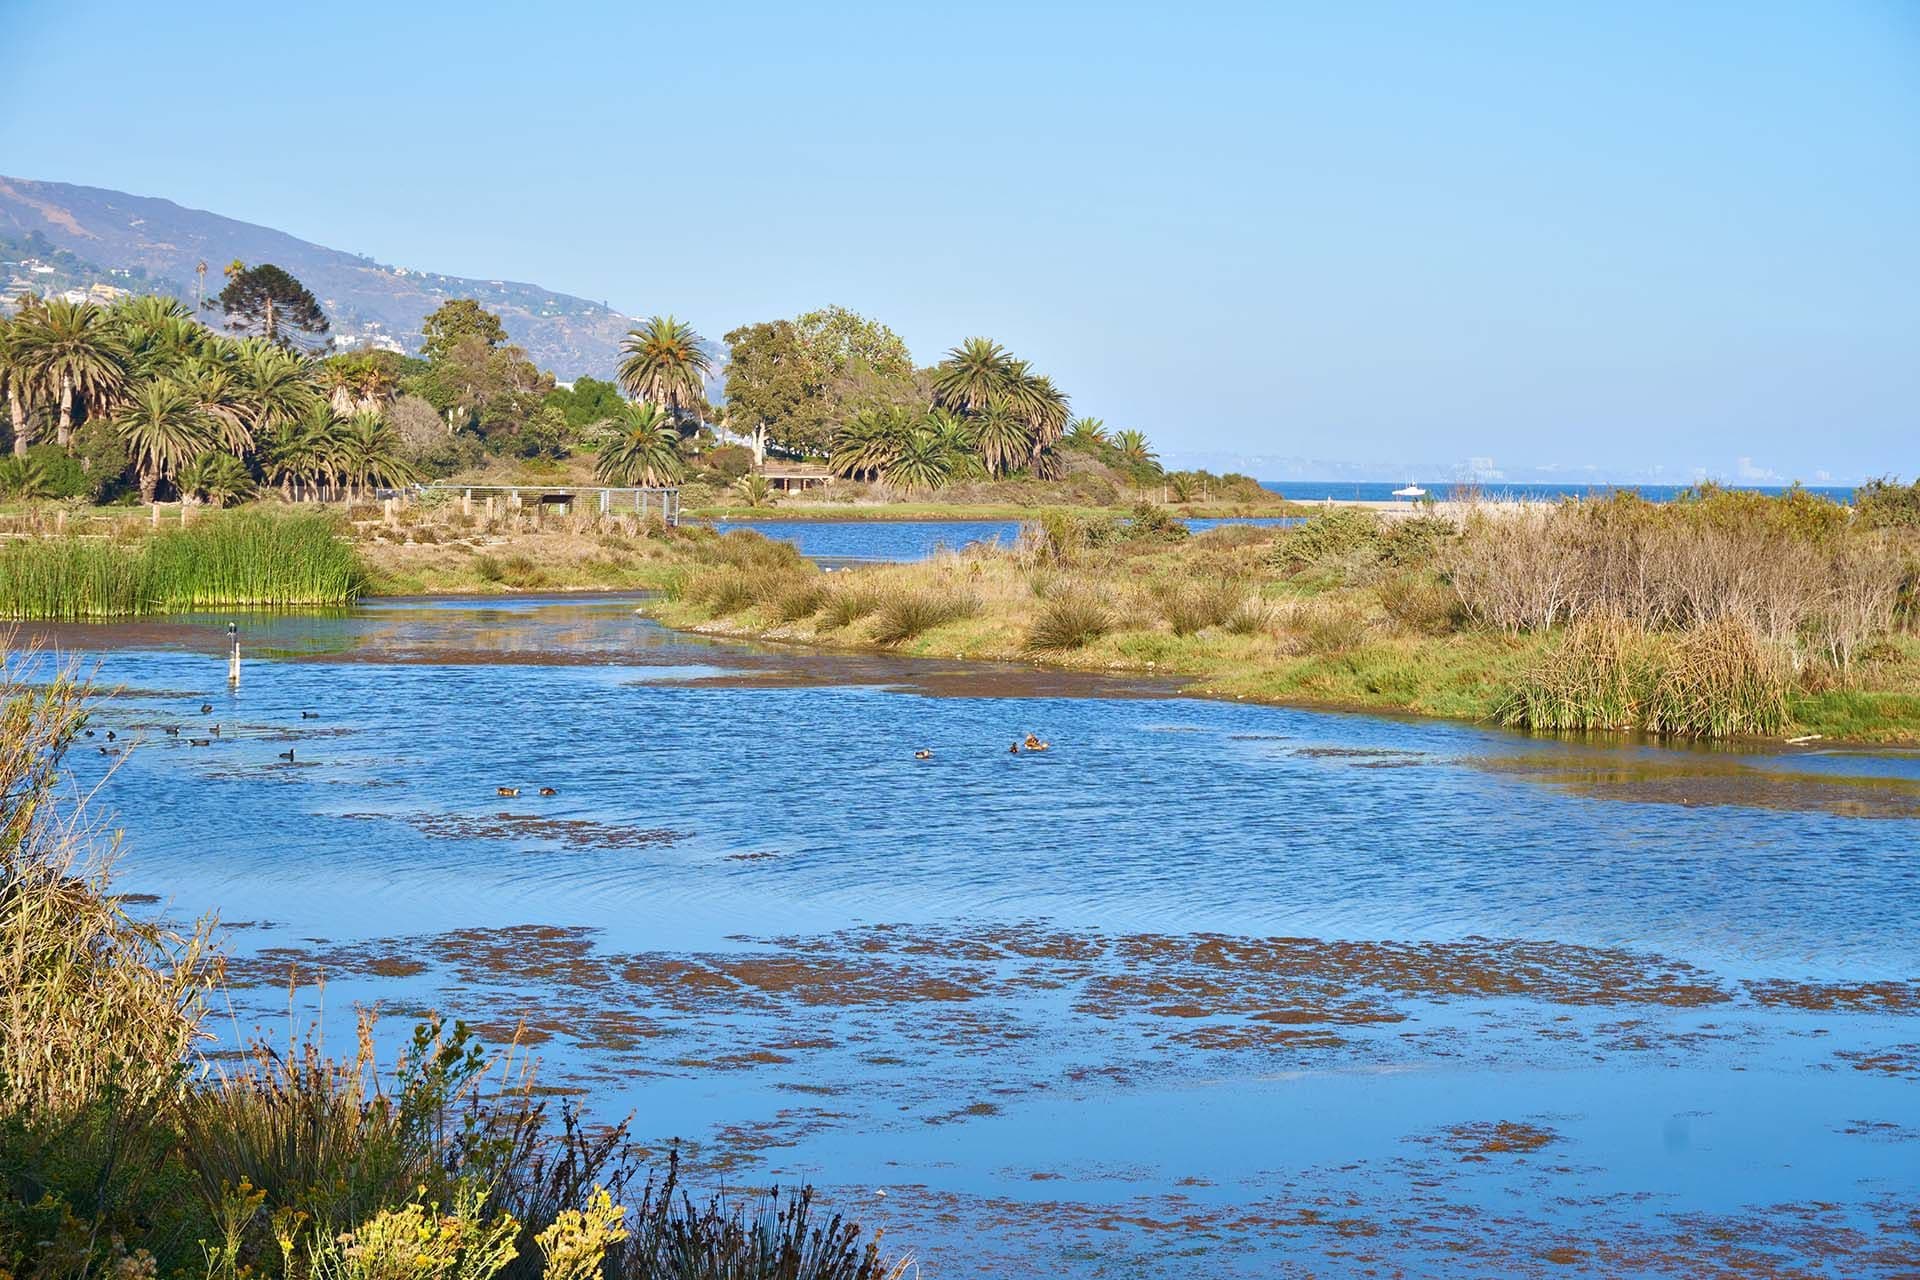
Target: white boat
{"x":1411,"y":492}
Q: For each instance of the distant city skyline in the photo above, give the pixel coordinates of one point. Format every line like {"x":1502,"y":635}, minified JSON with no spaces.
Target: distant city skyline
{"x":1624,"y":240}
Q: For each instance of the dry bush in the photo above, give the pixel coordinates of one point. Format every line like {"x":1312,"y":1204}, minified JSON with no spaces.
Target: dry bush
{"x":800,"y":600}
{"x":1788,"y":572}
{"x":1419,"y":602}
{"x":92,"y":1001}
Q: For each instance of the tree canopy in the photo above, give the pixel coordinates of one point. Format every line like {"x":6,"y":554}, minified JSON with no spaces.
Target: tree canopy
{"x":268,"y":302}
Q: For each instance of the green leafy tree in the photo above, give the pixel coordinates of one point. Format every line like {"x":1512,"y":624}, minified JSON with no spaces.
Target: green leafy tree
{"x":665,"y":365}
{"x":587,"y":401}
{"x":456,"y":320}
{"x":266,"y":301}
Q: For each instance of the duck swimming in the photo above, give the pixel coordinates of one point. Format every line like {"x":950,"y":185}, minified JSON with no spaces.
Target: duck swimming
{"x":206,"y":708}
{"x":548,"y":791}
{"x":923,"y":754}
{"x":1033,"y":743}
{"x":508,"y":792}
{"x":199,"y":742}
{"x":1014,"y":750}
{"x":309,"y":715}
{"x":287,"y":755}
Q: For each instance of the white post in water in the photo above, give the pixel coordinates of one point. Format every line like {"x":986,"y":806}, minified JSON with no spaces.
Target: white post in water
{"x":233,"y":665}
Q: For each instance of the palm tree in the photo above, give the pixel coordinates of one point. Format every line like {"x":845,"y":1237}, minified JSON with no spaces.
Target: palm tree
{"x":973,"y":375}
{"x":275,"y":385}
{"x":1004,"y":439}
{"x":647,"y":452}
{"x":665,"y":366}
{"x":216,"y":478}
{"x":369,"y":454}
{"x":753,"y":490}
{"x":1133,"y":448}
{"x":865,"y":447}
{"x":73,"y":349}
{"x":163,"y":430}
{"x":20,"y":377}
{"x":922,"y":463}
{"x":221,"y":398}
{"x":1086,"y":431}
{"x":24,"y":478}
{"x":301,"y":453}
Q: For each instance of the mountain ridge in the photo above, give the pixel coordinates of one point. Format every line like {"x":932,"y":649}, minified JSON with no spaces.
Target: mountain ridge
{"x":156,"y":243}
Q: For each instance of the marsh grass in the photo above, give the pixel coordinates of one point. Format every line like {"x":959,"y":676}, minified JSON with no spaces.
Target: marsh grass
{"x":846,"y":604}
{"x":1069,"y":620}
{"x":909,"y":613}
{"x":245,"y":559}
{"x":1716,"y":680}
{"x":1190,"y":608}
{"x":1598,"y":676}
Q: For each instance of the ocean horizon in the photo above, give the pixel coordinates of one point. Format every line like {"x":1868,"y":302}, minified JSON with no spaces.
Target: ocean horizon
{"x":1382,"y":490}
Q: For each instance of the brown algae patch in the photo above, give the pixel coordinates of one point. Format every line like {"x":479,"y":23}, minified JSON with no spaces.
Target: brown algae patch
{"x":1838,"y":997}
{"x":572,"y":833}
{"x":1481,"y":1139}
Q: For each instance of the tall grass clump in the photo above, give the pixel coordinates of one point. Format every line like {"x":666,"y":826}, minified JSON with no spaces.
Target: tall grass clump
{"x":908,"y":613}
{"x":1070,"y":620}
{"x":845,"y":605}
{"x":233,"y":560}
{"x":1720,"y":681}
{"x":1715,"y":680}
{"x":1598,"y":676}
{"x":1193,"y":607}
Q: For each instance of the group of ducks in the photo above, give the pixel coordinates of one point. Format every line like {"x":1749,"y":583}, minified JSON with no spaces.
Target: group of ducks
{"x":1032,"y":742}
{"x":213,"y":731}
{"x":510,"y":792}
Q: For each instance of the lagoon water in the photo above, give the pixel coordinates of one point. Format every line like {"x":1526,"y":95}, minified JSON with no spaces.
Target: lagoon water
{"x":1206,"y":988}
{"x":862,"y":540}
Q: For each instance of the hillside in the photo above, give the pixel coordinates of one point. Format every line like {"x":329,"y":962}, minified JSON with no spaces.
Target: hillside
{"x":56,"y":236}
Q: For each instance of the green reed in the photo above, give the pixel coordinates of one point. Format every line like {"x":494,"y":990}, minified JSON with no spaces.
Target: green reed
{"x":234,"y":560}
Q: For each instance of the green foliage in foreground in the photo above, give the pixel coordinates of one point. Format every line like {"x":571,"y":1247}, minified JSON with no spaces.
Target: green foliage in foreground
{"x":236,"y":560}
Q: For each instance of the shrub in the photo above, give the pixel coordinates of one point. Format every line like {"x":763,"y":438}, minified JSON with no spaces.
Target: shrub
{"x":1340,"y":535}
{"x":731,"y":460}
{"x":488,"y":569}
{"x":1334,"y":630}
{"x":909,"y":613}
{"x":1885,"y":503}
{"x":1419,"y":602}
{"x":1070,"y":620}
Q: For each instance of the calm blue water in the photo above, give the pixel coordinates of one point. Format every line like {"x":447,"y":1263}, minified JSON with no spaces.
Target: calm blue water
{"x":1382,"y":490}
{"x":909,"y":539}
{"x":980,"y":982}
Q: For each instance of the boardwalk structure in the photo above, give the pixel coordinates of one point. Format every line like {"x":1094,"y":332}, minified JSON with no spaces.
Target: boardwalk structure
{"x":608,"y":500}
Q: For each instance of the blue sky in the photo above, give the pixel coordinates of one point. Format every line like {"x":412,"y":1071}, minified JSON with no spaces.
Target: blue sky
{"x":1619,"y":236}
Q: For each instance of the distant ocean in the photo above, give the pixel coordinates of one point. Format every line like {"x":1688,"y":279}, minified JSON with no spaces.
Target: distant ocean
{"x":1382,"y":491}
